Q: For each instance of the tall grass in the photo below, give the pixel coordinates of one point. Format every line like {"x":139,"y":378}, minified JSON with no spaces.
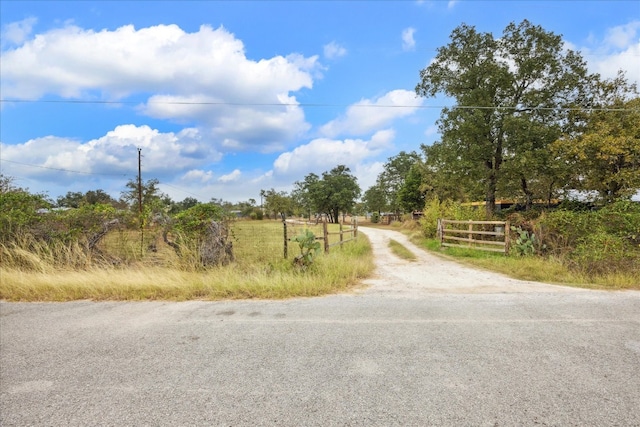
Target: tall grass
{"x":33,"y":274}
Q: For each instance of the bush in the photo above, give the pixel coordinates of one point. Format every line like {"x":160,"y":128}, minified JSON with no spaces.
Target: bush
{"x":447,"y":209}
{"x":594,"y":242}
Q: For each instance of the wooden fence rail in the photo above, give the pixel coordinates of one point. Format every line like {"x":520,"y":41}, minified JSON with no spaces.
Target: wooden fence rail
{"x":465,"y":234}
{"x":352,"y":233}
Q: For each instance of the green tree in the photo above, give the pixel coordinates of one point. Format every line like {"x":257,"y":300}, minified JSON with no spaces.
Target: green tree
{"x":606,"y":157}
{"x":411,"y":196}
{"x":75,"y":199}
{"x":336,"y":192}
{"x":375,"y":199}
{"x":393,"y":176}
{"x":525,"y":78}
{"x":277,"y":203}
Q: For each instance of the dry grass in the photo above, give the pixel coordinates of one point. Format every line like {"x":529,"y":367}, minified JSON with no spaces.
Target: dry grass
{"x":258,"y":273}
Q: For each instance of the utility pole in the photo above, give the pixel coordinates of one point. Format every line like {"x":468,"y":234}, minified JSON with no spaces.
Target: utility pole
{"x":140,"y":202}
{"x":140,"y":181}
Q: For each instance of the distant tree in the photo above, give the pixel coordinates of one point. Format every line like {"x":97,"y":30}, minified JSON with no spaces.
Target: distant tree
{"x":75,"y":199}
{"x":375,"y":199}
{"x":277,"y":203}
{"x":524,"y":80}
{"x":411,"y":195}
{"x":393,"y":176}
{"x":7,"y":184}
{"x":336,"y":192}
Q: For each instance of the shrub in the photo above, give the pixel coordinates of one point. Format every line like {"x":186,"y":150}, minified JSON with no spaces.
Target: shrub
{"x":447,"y":209}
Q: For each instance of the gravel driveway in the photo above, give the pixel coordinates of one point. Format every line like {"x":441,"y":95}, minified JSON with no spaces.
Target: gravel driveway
{"x":425,"y":343}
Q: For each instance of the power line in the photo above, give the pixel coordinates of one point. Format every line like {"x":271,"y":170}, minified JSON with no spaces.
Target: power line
{"x":63,"y":170}
{"x":274,"y":104}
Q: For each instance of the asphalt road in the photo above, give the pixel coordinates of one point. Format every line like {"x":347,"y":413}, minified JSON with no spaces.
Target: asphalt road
{"x":568,"y":358}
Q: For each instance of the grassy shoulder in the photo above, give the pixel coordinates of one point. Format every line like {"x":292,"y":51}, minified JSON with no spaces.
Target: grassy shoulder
{"x":338,"y":271}
{"x":532,"y":268}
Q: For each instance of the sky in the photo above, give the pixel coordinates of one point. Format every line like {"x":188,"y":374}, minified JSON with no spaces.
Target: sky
{"x":226,"y":98}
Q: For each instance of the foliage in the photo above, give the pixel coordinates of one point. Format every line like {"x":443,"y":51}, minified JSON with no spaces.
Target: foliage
{"x":509,"y":92}
{"x":525,"y":243}
{"x":309,"y":248}
{"x":375,"y":217}
{"x":19,"y":211}
{"x":594,"y":242}
{"x":447,"y":209}
{"x":200,"y":236}
{"x":410,"y":195}
{"x":605,"y":158}
{"x":277,"y":203}
{"x":336,"y":192}
{"x":195,"y":220}
{"x":75,"y":199}
{"x":393,"y":178}
{"x":375,"y":199}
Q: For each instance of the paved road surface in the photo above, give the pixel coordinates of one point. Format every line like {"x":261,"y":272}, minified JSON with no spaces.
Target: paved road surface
{"x":392,"y":354}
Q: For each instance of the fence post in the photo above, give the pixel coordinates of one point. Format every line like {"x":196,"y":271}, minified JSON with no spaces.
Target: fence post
{"x":340,"y":235}
{"x":470,"y":232}
{"x":355,"y":228}
{"x":286,"y":240}
{"x":507,"y":239}
{"x":325,"y":235}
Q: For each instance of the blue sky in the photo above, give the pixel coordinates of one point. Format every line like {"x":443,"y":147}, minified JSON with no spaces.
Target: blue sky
{"x":229,"y":97}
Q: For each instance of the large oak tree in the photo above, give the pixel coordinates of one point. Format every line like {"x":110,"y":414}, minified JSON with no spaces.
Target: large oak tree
{"x":513,"y":97}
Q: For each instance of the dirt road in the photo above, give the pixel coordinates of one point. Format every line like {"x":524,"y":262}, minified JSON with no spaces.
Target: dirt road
{"x":433,"y":274}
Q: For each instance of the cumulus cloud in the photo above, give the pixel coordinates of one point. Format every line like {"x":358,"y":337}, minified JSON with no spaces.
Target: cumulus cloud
{"x":333,"y":50}
{"x":233,"y":176}
{"x":408,"y":42}
{"x":17,"y":32}
{"x":173,"y":69}
{"x":323,"y":154}
{"x":619,"y":49}
{"x":367,"y":116}
{"x":197,"y":177}
{"x":114,"y":154}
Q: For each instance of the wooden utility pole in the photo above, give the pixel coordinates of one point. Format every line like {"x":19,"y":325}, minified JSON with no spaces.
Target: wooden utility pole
{"x":140,"y":181}
{"x":140,"y":202}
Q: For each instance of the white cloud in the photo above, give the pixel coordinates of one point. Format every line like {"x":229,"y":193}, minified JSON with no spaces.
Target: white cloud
{"x":114,"y":154}
{"x":233,"y":176}
{"x":333,"y":50}
{"x":367,"y":116}
{"x":323,"y":154}
{"x":252,"y":100}
{"x":17,"y":32}
{"x":408,"y":42}
{"x":197,"y":177}
{"x":451,"y":3}
{"x":619,"y":49}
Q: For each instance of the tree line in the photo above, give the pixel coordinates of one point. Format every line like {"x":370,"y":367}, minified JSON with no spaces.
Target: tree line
{"x":529,"y":123}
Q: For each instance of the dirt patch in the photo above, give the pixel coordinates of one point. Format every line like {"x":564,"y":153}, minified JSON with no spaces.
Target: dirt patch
{"x":432,"y":274}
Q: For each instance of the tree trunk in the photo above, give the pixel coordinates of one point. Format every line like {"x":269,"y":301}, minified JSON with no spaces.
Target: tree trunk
{"x":490,"y":198}
{"x":528,"y":194}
